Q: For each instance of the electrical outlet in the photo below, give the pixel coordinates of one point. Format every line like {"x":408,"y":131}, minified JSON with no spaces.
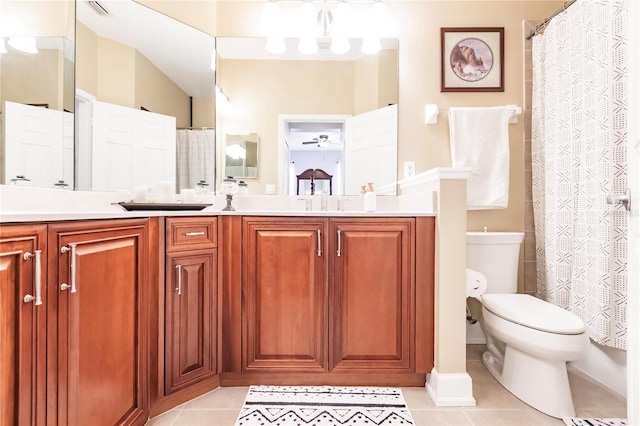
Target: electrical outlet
{"x":270,"y":189}
{"x":409,"y":169}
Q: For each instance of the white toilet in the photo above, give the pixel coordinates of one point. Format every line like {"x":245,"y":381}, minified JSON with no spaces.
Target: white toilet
{"x":529,"y":341}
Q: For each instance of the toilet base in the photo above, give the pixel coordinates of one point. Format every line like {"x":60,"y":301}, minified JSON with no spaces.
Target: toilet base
{"x":542,"y":384}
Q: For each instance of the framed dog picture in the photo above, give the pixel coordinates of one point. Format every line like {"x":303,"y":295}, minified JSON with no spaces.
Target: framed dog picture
{"x":472,"y":59}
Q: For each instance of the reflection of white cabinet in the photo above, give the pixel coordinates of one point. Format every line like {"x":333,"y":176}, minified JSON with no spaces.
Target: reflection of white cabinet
{"x":131,"y":147}
{"x":38,"y":144}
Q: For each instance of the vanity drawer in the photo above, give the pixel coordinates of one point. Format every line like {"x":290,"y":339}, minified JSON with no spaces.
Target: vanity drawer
{"x":191,"y":233}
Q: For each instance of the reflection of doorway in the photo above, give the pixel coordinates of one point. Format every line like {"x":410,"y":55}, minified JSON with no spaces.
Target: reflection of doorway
{"x":360,"y":149}
{"x":303,"y":146}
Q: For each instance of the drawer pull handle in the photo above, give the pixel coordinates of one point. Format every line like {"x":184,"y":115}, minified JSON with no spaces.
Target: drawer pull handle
{"x":179,"y":277}
{"x":339,"y":243}
{"x":319,"y":243}
{"x":72,"y":267}
{"x":37,"y":278}
{"x":194,"y":234}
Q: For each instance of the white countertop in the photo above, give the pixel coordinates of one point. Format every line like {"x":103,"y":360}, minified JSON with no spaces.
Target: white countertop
{"x":24,"y":204}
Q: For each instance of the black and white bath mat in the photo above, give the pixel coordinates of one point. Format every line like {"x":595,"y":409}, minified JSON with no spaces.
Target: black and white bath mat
{"x":324,"y":405}
{"x":575,"y":421}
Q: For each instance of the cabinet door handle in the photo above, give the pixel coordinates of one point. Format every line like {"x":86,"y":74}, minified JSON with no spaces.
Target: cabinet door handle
{"x":37,"y":278}
{"x":72,"y":267}
{"x":319,"y":242}
{"x":193,"y":234}
{"x":179,"y":278}
{"x":338,"y":253}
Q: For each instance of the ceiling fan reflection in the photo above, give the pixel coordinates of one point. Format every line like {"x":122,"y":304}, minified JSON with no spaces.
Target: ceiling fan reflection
{"x":322,"y":141}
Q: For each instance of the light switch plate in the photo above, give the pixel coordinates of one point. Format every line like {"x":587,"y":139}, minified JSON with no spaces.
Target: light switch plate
{"x":270,"y":189}
{"x":409,"y":169}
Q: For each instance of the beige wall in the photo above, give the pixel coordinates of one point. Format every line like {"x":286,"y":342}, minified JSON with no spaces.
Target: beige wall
{"x":157,"y":93}
{"x":121,"y":75}
{"x":38,"y":18}
{"x":115,"y":73}
{"x":33,"y":79}
{"x":86,"y":59}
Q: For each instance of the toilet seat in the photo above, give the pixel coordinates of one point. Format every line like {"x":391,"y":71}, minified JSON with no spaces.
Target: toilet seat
{"x":534,"y":313}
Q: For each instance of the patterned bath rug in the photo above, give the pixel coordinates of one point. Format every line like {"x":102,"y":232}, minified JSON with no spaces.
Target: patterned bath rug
{"x":324,"y":405}
{"x":575,"y":421}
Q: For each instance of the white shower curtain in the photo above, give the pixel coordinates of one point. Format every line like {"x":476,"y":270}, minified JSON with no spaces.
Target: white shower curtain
{"x":579,"y":145}
{"x":195,"y":155}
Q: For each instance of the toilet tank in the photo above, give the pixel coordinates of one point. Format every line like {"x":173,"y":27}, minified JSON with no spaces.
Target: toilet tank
{"x":495,"y":254}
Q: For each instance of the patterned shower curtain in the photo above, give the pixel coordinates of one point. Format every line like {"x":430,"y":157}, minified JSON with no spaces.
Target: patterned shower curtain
{"x":579,"y":145}
{"x":195,"y":157}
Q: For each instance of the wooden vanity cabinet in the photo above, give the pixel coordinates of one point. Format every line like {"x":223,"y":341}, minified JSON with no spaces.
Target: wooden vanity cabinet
{"x":98,"y":289}
{"x":80,"y":357}
{"x":335,"y":296}
{"x":372,"y":294}
{"x":285,"y":312}
{"x":191,"y":301}
{"x":23,"y":349}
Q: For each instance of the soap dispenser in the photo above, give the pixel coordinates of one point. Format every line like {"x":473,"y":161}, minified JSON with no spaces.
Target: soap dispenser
{"x":369,"y":198}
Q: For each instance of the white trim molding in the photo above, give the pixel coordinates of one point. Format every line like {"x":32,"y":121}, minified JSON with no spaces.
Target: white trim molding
{"x":450,"y":389}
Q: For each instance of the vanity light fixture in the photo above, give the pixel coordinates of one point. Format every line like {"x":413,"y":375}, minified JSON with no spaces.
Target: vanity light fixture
{"x":24,"y":44}
{"x":311,"y":23}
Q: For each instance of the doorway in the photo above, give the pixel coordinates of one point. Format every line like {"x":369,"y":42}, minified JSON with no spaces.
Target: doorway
{"x":311,"y":141}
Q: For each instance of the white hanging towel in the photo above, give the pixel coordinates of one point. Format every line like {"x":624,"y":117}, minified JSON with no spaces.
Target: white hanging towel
{"x":480,"y":139}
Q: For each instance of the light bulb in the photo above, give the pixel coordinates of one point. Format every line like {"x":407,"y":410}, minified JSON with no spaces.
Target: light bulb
{"x":342,"y":12}
{"x":308,"y":45}
{"x":340,"y":45}
{"x":306,"y":22}
{"x":270,"y":17}
{"x":276,"y":45}
{"x":371,"y":45}
{"x":380,"y":16}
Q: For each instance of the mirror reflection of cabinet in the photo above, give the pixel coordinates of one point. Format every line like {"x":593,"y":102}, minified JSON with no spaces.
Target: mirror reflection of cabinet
{"x":241,"y":155}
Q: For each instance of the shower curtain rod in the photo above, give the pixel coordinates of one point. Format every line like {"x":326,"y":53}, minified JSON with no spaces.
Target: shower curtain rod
{"x":540,"y":27}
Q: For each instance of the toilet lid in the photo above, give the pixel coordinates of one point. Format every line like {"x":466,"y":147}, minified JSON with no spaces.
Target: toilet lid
{"x":534,"y":313}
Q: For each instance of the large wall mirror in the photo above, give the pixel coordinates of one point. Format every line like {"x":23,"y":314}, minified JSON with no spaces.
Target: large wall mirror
{"x":36,"y":93}
{"x":323,"y":111}
{"x":146,"y":98}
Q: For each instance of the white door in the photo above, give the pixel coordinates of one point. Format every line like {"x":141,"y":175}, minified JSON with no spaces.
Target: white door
{"x":131,"y":148}
{"x":34,"y":144}
{"x":371,"y":150}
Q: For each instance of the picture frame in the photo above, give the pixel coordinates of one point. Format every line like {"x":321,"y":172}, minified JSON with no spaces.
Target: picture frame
{"x":472,"y":59}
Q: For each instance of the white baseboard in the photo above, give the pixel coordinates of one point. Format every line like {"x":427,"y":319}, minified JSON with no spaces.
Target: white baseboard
{"x":450,"y":389}
{"x":605,"y":365}
{"x":475,"y":336}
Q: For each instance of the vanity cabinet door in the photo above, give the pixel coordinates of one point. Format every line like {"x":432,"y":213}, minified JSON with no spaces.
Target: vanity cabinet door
{"x":97,"y":366}
{"x":190,"y":318}
{"x":285,"y":294}
{"x":22,"y":324}
{"x":372,"y":294}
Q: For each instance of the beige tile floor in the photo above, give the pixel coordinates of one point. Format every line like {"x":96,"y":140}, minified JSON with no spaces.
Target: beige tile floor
{"x":494,"y":405}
